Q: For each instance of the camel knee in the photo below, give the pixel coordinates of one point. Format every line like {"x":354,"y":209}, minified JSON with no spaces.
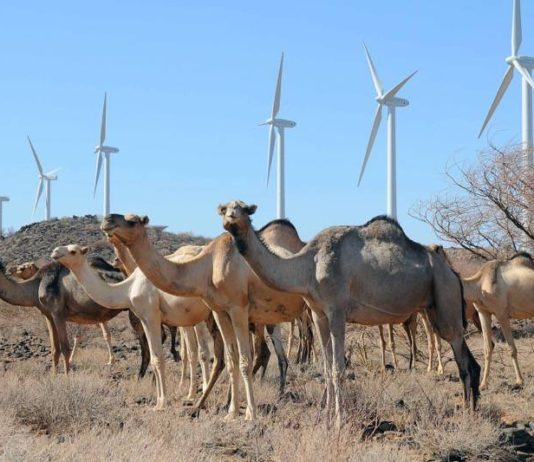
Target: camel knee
{"x":244,"y":365}
{"x":156,"y":362}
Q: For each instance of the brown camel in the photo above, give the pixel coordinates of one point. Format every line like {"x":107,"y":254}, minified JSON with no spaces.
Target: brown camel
{"x":222,"y":278}
{"x":25,"y":271}
{"x":504,"y":289}
{"x":371,"y":274}
{"x":60,"y":298}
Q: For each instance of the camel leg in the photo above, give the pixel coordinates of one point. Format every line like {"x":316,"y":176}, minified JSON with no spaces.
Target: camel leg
{"x":185,"y":358}
{"x":437,"y":341}
{"x":192,"y":353}
{"x":239,"y":319}
{"x":232,"y":361}
{"x":174,"y":351}
{"x":337,"y":335}
{"x":262,"y":353}
{"x":54,"y":344}
{"x":410,"y":327}
{"x":216,"y":369}
{"x":61,"y":328}
{"x":290,"y":337}
{"x":391,"y":340}
{"x":323,"y":332}
{"x":75,"y":342}
{"x":107,"y":337}
{"x":203,"y":335}
{"x":143,"y":344}
{"x":276,"y":338}
{"x":152,"y":328}
{"x":382,"y":346}
{"x":507,"y":332}
{"x":485,"y":321}
{"x":430,"y":340}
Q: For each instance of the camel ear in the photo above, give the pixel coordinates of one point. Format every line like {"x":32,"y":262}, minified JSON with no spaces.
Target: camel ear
{"x":85,"y":250}
{"x":221,"y":209}
{"x":250,"y":209}
{"x":144,"y":220}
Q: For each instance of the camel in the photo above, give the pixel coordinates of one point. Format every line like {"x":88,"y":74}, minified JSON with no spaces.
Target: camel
{"x":223,"y":279}
{"x":59,"y":297}
{"x":153,"y":307}
{"x":504,"y":289}
{"x":371,"y":274}
{"x":26,"y":271}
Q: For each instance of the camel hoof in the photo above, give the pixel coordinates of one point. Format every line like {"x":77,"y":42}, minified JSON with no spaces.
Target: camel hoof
{"x":188,"y":401}
{"x":483,"y":386}
{"x":440,"y":371}
{"x":158,"y":407}
{"x":231,"y":416}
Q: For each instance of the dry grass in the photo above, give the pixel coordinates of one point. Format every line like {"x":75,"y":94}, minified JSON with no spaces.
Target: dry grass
{"x":103,"y":413}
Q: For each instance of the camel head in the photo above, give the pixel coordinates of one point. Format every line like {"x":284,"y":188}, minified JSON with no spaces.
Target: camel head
{"x":24,"y":271}
{"x":236,"y":216}
{"x":69,"y":255}
{"x":127,"y":228}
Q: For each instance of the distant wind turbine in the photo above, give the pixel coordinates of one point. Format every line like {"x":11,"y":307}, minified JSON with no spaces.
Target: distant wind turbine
{"x":2,"y":200}
{"x":44,"y":179}
{"x":103,"y":153}
{"x":392,"y":102}
{"x":276,"y":124}
{"x":523,"y":65}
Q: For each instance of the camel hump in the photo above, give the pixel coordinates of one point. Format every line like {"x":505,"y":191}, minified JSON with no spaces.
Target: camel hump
{"x":522,"y":258}
{"x":278,"y":222}
{"x":385,"y":228}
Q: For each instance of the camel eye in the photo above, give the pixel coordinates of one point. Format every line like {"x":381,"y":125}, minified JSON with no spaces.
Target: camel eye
{"x":73,"y":252}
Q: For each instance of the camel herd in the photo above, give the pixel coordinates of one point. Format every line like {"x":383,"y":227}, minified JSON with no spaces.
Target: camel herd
{"x":248,"y":281}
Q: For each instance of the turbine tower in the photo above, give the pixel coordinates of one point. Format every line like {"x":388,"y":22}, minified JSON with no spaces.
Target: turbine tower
{"x":44,"y":180}
{"x":103,"y":152}
{"x":523,"y":65}
{"x":278,"y":125}
{"x":392,"y":102}
{"x":2,"y":200}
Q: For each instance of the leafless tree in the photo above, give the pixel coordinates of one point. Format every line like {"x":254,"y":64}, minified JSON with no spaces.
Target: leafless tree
{"x":488,"y":209}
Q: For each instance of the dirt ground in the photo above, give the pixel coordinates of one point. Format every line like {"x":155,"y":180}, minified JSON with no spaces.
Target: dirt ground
{"x":102,"y":412}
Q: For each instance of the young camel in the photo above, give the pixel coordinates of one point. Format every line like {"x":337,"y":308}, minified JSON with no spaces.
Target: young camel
{"x":371,"y":274}
{"x":504,"y":289}
{"x":59,"y":297}
{"x":153,"y":308}
{"x":26,"y":271}
{"x":223,"y":279}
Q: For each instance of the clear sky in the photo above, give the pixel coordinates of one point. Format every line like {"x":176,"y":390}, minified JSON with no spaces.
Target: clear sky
{"x":188,"y":82}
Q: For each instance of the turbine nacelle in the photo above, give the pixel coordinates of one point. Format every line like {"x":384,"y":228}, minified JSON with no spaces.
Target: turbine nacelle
{"x":525,"y":61}
{"x":392,"y":101}
{"x":106,"y":149}
{"x":280,"y":123}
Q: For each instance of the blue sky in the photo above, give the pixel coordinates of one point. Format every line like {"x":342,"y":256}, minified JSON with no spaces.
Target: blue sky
{"x":188,"y":83}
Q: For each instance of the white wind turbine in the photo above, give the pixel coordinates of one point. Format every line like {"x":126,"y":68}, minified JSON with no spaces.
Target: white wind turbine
{"x":523,"y":65}
{"x":392,"y":102}
{"x":2,"y":200}
{"x":44,"y":180}
{"x":103,"y":153}
{"x":277,"y":124}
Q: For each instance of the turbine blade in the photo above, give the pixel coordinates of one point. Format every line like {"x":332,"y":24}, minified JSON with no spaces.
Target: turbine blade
{"x":278,"y":91}
{"x":39,"y":166}
{"x":98,"y":167}
{"x":272,"y":140}
{"x":374,"y":74}
{"x":103,"y":124}
{"x":391,"y":93}
{"x":38,"y":195}
{"x":526,"y":75}
{"x":509,"y":74}
{"x":374,"y":130}
{"x":517,"y":35}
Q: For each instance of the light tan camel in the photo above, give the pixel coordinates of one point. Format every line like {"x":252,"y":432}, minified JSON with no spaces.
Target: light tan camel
{"x":153,"y":307}
{"x":222,"y":278}
{"x":27,"y":270}
{"x":504,"y":289}
{"x":371,"y":274}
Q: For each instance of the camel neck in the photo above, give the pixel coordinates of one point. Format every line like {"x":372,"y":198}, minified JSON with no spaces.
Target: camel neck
{"x":124,"y":255}
{"x":184,"y":278}
{"x":111,"y":296}
{"x":286,"y":274}
{"x":25,"y":293}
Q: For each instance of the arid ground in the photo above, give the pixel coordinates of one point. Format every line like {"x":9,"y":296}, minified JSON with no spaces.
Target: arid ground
{"x":103,"y":412}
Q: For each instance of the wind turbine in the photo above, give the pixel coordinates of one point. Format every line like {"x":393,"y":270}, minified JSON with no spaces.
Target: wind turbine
{"x":523,"y":65}
{"x":2,"y":200}
{"x":103,"y":153}
{"x":392,"y":102}
{"x":44,"y":179}
{"x":278,"y":125}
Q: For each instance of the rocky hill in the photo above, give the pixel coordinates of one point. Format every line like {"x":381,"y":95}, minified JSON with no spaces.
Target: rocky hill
{"x":36,"y":241}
